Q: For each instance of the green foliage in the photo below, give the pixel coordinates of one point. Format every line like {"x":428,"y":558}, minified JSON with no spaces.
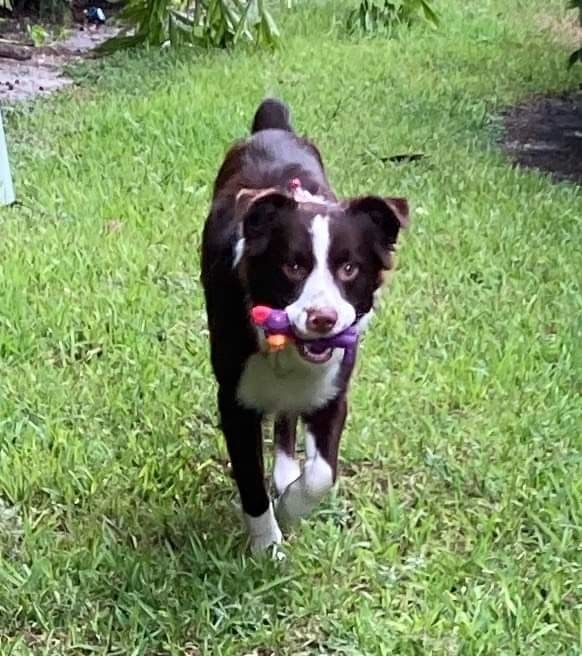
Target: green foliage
{"x":204,"y":24}
{"x":38,"y":35}
{"x":576,"y":56}
{"x":384,"y":15}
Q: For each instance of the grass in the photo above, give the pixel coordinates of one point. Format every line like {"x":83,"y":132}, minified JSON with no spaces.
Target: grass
{"x":456,"y":525}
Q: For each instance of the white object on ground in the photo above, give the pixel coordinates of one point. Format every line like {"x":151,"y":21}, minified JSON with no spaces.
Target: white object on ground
{"x":6,"y":188}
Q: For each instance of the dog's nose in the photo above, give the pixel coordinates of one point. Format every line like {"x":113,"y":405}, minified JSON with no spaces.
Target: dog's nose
{"x":321,"y":320}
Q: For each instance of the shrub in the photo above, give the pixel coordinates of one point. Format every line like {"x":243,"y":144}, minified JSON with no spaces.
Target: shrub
{"x":203,"y":23}
{"x":383,"y":15}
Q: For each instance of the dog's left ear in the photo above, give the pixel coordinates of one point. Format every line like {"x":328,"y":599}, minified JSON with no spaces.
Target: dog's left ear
{"x":388,"y":215}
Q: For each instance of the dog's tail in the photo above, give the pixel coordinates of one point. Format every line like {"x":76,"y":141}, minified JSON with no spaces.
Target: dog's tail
{"x":272,"y":114}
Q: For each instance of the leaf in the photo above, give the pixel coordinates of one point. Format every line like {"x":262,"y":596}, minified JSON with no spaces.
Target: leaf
{"x":429,"y":13}
{"x":242,"y":25}
{"x":383,"y":15}
{"x":211,"y":23}
{"x":179,"y":29}
{"x":182,"y":18}
{"x":272,"y":29}
{"x":120,"y":43}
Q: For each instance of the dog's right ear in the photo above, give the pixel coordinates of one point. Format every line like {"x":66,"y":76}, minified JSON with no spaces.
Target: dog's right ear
{"x":257,"y":209}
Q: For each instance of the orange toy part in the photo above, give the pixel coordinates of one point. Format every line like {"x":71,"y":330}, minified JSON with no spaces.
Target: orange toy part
{"x":277,"y":342}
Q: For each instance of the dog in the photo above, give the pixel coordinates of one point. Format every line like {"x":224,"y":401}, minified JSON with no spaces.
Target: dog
{"x":278,"y":236}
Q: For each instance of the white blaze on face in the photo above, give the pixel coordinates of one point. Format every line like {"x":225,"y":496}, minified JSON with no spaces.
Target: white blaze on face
{"x":320,"y":289}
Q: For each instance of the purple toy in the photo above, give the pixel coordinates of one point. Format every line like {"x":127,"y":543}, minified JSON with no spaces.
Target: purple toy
{"x":280,"y":333}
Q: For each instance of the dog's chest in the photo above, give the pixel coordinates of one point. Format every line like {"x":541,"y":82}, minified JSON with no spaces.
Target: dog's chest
{"x":282,"y":382}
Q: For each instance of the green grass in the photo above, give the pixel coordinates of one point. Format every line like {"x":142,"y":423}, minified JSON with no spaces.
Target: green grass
{"x":456,"y":527}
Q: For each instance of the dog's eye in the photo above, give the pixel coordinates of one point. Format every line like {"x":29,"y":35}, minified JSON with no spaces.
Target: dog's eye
{"x":295,"y":271}
{"x":348,"y":271}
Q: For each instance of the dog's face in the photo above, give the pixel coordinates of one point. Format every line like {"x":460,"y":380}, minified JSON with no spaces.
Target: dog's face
{"x":320,"y":263}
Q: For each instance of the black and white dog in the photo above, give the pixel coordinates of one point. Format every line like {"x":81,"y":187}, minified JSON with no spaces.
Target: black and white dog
{"x":278,"y":236}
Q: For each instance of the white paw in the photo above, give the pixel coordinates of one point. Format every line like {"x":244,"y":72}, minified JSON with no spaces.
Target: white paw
{"x":263,"y":530}
{"x":260,"y":543}
{"x":286,"y":471}
{"x":285,"y":517}
{"x":305,"y":493}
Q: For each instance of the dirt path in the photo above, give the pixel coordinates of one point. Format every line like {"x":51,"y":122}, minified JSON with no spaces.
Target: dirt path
{"x":43,"y":73}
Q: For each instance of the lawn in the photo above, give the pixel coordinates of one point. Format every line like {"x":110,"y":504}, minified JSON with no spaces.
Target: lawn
{"x":456,"y":526}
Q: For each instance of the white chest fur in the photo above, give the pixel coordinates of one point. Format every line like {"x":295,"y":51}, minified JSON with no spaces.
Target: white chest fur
{"x":283,"y":382}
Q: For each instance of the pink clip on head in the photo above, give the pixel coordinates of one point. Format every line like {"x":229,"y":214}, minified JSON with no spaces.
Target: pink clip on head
{"x":294,"y":184}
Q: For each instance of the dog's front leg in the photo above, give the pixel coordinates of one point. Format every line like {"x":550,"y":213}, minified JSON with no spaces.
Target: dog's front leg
{"x":323,"y":431}
{"x":242,"y":430}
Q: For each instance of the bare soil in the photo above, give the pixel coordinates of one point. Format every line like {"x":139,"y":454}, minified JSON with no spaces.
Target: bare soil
{"x":546,"y":134}
{"x":43,"y":72}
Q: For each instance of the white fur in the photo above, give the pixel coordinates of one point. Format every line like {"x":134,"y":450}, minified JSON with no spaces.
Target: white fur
{"x":239,"y":249}
{"x":320,"y":289}
{"x":301,"y":497}
{"x":263,"y":530}
{"x":303,"y":196}
{"x":286,"y":471}
{"x":363,"y":322}
{"x":310,"y":448}
{"x":285,"y":382}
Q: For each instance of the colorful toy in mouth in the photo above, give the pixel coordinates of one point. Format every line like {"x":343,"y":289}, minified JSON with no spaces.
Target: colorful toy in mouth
{"x":276,"y":325}
{"x":279,"y":334}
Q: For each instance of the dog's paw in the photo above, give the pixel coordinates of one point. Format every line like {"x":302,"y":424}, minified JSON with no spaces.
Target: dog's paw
{"x":305,"y":493}
{"x":264,"y":544}
{"x":286,"y":471}
{"x":263,"y":530}
{"x":285,"y":516}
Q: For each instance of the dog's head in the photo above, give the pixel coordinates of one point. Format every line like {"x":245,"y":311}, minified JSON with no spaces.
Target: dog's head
{"x":320,"y":262}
